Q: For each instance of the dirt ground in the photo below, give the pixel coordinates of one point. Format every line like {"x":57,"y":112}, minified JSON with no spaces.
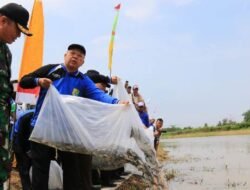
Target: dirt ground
{"x":15,"y":183}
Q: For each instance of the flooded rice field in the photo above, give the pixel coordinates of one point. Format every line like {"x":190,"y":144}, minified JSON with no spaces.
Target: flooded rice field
{"x":209,"y":163}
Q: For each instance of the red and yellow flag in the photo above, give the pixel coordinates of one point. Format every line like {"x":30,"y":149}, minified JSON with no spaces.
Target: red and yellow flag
{"x":32,"y":57}
{"x":111,"y":44}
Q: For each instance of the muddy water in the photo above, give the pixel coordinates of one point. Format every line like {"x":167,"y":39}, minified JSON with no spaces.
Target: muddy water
{"x":209,"y":163}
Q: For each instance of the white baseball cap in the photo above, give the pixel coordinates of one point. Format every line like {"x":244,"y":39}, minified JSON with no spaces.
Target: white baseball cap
{"x":140,"y":104}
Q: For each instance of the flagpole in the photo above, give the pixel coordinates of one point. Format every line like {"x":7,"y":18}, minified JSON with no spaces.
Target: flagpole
{"x":112,"y":39}
{"x":110,"y":74}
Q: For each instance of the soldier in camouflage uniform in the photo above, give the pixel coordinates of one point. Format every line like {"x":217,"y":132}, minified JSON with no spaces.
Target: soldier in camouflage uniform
{"x":5,"y":92}
{"x":13,"y":21}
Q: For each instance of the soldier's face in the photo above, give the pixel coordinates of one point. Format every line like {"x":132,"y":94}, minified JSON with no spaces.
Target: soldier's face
{"x":9,"y":30}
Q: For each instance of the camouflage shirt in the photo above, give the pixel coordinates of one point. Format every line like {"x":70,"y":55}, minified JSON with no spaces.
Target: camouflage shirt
{"x":5,"y":94}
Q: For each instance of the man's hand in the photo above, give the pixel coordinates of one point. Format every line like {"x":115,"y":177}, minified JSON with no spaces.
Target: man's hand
{"x":156,"y":133}
{"x":125,"y":102}
{"x":114,"y":79}
{"x":44,"y":82}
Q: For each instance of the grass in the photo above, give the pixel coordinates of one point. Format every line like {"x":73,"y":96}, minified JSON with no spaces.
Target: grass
{"x":170,"y":174}
{"x":207,"y":134}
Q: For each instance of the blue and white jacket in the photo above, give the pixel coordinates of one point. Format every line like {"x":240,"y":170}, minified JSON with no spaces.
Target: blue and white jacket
{"x":76,"y":84}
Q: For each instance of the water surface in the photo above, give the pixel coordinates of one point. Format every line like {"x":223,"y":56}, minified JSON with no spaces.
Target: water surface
{"x":209,"y":163}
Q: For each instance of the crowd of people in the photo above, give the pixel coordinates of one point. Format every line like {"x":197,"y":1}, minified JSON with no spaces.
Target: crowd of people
{"x":68,"y":80}
{"x":150,"y":123}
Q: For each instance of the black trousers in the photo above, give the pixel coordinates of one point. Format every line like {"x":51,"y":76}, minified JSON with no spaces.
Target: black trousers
{"x":76,"y":168}
{"x":24,"y":165}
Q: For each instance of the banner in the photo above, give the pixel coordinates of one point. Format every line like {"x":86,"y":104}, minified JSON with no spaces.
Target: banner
{"x":32,"y":53}
{"x":111,"y":44}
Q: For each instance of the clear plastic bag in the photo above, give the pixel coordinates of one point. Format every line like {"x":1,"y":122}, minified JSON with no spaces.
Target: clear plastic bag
{"x":55,"y":176}
{"x":112,"y":133}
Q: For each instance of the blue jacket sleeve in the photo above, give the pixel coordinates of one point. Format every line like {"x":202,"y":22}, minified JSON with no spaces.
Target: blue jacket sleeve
{"x":144,"y":118}
{"x":92,"y":92}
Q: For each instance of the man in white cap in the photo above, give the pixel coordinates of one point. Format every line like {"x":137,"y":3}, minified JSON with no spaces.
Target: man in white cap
{"x":68,"y":80}
{"x":143,"y":114}
{"x":136,"y":97}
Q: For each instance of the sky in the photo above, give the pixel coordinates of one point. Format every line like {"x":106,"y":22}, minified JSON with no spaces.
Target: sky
{"x":190,"y":58}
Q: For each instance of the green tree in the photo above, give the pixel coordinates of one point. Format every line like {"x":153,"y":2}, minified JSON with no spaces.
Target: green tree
{"x":246,"y":116}
{"x":224,"y":121}
{"x":231,"y":122}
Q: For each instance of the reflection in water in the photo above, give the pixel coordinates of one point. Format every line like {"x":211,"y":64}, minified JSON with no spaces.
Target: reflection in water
{"x":210,"y":163}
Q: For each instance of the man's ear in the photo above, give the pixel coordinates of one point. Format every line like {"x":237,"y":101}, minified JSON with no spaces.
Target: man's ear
{"x":3,"y":19}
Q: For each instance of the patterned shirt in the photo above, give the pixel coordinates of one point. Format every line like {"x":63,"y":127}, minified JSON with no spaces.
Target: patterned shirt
{"x":6,"y":90}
